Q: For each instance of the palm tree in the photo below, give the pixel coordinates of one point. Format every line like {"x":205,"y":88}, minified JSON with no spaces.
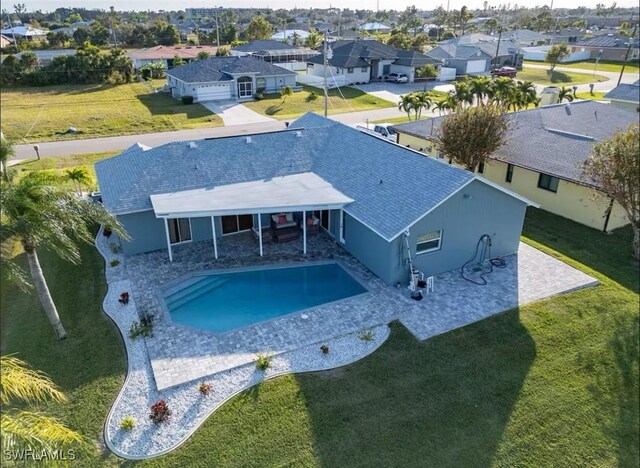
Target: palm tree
{"x":22,"y":428}
{"x":78,"y":176}
{"x":313,"y":40}
{"x":286,"y":92}
{"x":38,"y":213}
{"x":503,"y":89}
{"x":441,"y":106}
{"x":406,"y":104}
{"x":6,"y":153}
{"x":480,"y":86}
{"x":565,"y":93}
{"x":463,"y":93}
{"x":421,"y":101}
{"x":528,"y":92}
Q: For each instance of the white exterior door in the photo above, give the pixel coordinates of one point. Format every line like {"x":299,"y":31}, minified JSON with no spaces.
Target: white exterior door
{"x":476,"y":66}
{"x":213,"y":92}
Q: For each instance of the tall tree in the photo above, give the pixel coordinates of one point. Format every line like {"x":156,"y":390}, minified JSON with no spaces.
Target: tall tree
{"x":39,"y":213}
{"x":556,"y":53}
{"x":471,"y":134}
{"x":614,"y":166}
{"x":313,"y":40}
{"x":78,"y":176}
{"x":6,"y":153}
{"x":565,"y":94}
{"x":259,"y":28}
{"x":21,"y":427}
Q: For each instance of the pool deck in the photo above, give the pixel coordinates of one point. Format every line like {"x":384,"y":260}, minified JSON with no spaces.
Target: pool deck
{"x":180,"y":354}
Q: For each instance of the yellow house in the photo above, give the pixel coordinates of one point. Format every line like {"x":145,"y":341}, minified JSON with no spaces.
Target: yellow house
{"x":543,"y":157}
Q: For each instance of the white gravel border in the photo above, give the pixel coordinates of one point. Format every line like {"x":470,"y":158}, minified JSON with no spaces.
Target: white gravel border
{"x":188,"y":406}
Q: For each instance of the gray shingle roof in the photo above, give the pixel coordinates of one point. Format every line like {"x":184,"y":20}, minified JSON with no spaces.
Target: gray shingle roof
{"x":555,"y":139}
{"x":609,"y":40}
{"x":487,"y":44}
{"x":349,"y":54}
{"x":625,"y":92}
{"x":447,"y":51}
{"x":381,"y":177}
{"x":222,"y":69}
{"x":263,"y":44}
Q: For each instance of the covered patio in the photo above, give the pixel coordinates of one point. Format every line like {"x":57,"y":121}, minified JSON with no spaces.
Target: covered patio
{"x":277,"y":208}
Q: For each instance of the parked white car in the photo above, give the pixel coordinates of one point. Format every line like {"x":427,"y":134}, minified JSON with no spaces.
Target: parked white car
{"x":381,"y":130}
{"x":398,"y":78}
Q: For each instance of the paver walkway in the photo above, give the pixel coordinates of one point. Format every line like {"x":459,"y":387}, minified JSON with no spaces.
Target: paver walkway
{"x":234,"y":113}
{"x":179,"y":354}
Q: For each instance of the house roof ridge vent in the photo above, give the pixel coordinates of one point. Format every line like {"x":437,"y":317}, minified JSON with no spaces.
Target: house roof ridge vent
{"x":299,"y":134}
{"x":248,"y":139}
{"x":192,"y":144}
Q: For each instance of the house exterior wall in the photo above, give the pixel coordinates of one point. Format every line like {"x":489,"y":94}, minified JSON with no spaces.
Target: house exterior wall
{"x":274,"y":84}
{"x":358,"y":76}
{"x":576,"y":202}
{"x":627,"y":105}
{"x":616,"y":54}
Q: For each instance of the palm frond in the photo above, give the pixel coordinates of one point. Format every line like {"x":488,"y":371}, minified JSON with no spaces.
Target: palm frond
{"x":26,"y":429}
{"x":20,"y":382}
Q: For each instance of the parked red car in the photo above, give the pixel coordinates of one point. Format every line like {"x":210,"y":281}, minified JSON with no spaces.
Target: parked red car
{"x":504,"y":71}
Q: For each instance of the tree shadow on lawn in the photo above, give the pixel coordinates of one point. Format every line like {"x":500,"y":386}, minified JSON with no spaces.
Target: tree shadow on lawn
{"x":164,"y":104}
{"x":442,"y":402}
{"x":607,"y":254}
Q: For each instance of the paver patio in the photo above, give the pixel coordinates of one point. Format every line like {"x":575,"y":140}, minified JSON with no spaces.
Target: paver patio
{"x":179,"y":354}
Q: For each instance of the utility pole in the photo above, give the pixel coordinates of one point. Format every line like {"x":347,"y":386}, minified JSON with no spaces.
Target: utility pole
{"x":495,"y":60}
{"x":326,"y":64}
{"x":217,"y":28}
{"x":113,"y":31}
{"x":626,"y":56}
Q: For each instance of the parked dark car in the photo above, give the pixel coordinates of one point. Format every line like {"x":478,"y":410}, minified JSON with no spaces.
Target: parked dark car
{"x":504,"y":71}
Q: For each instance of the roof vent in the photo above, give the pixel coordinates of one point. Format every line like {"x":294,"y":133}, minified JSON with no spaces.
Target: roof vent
{"x":192,"y":144}
{"x":248,"y":139}
{"x":299,"y":134}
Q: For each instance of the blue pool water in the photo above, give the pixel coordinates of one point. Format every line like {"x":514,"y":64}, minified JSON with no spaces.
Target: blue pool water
{"x":224,"y":301}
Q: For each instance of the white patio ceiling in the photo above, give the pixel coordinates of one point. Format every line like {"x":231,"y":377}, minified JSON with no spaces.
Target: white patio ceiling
{"x":298,"y":192}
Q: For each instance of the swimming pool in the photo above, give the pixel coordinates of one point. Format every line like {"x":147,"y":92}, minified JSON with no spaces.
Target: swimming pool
{"x":224,"y":301}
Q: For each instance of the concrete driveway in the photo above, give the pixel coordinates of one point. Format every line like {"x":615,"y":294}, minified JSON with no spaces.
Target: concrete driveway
{"x":393,"y":91}
{"x":234,"y":113}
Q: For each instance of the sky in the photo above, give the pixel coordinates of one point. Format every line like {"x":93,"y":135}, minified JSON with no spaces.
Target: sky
{"x":49,"y":5}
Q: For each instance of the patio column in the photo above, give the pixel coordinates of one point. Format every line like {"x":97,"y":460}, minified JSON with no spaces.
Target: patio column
{"x":304,"y":232}
{"x":260,"y":231}
{"x":215,"y":241}
{"x":166,"y":230}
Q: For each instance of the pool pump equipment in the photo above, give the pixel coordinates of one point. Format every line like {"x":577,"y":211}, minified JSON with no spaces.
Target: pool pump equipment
{"x":481,"y":263}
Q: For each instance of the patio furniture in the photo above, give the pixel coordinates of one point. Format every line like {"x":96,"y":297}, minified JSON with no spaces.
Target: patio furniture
{"x":284,"y":227}
{"x":266,"y":233}
{"x":313,"y":225}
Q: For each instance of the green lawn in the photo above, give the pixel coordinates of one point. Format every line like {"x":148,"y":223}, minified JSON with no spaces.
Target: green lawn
{"x":603,"y":65}
{"x":597,"y":95}
{"x":42,"y":114}
{"x":541,"y":76}
{"x":398,"y":120}
{"x":302,"y":102}
{"x":554,"y":383}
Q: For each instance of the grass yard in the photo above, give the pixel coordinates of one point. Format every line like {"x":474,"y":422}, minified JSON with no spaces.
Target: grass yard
{"x":541,"y":76}
{"x":597,"y":95}
{"x":603,"y":65}
{"x":303,"y":101}
{"x":31,"y":115}
{"x":554,"y":383}
{"x":399,"y":120}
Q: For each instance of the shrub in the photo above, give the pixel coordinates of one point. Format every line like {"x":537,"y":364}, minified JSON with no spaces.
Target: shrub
{"x":366,"y":335}
{"x":124,"y":298}
{"x":106,"y":232}
{"x":127,"y":423}
{"x":259,"y":96}
{"x":263,"y":361}
{"x":186,"y":100}
{"x":159,"y":411}
{"x":311,"y":97}
{"x":427,"y":71}
{"x":115,"y":262}
{"x":115,"y":248}
{"x":142,"y":328}
{"x":325,"y":349}
{"x":205,"y":388}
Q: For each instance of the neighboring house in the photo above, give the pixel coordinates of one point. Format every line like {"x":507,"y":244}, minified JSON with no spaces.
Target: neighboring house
{"x":219,"y":78}
{"x":379,"y":201}
{"x":362,"y":61}
{"x":277,"y":52}
{"x":166,"y":54}
{"x":475,"y":53}
{"x":539,"y":53}
{"x":375,"y":28}
{"x":524,"y":37}
{"x":625,"y":96}
{"x":47,"y":55}
{"x":290,"y":35}
{"x":5,"y":41}
{"x":609,"y":47}
{"x":27,"y":33}
{"x":570,"y":35}
{"x":543,"y":156}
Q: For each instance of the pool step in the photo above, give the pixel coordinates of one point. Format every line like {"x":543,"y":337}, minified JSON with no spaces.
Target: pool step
{"x":195,"y":291}
{"x":184,"y":286}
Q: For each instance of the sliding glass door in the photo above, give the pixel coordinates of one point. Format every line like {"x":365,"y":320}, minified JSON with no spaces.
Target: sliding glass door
{"x":236,"y":223}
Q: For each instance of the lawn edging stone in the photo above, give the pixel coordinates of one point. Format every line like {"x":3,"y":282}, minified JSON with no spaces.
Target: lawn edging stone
{"x":189,"y":407}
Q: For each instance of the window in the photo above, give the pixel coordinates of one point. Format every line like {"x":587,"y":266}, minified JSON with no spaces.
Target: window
{"x":481,"y":168}
{"x":547,"y":182}
{"x":310,"y":65}
{"x":509,"y":176}
{"x":349,"y":70}
{"x":236,"y":223}
{"x":428,"y":242}
{"x":363,"y":69}
{"x":179,"y":230}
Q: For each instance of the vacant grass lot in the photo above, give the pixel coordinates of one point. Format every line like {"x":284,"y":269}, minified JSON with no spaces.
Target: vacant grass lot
{"x":603,"y":65}
{"x":43,"y":114}
{"x":541,"y":76}
{"x":304,"y":101}
{"x":554,"y":383}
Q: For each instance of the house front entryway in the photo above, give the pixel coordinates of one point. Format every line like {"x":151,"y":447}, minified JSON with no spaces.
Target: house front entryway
{"x":245,"y":87}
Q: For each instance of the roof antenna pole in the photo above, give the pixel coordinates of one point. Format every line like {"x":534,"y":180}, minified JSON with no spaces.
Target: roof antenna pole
{"x":326,"y":64}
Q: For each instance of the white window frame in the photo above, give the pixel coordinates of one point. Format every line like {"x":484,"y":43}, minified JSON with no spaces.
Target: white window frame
{"x":179,"y":234}
{"x":434,"y":249}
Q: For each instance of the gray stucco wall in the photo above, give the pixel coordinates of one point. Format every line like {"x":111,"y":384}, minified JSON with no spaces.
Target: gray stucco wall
{"x":463,"y":221}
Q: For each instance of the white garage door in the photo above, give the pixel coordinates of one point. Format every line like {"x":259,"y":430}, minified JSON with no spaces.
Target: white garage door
{"x":476,"y":66}
{"x":213,"y":92}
